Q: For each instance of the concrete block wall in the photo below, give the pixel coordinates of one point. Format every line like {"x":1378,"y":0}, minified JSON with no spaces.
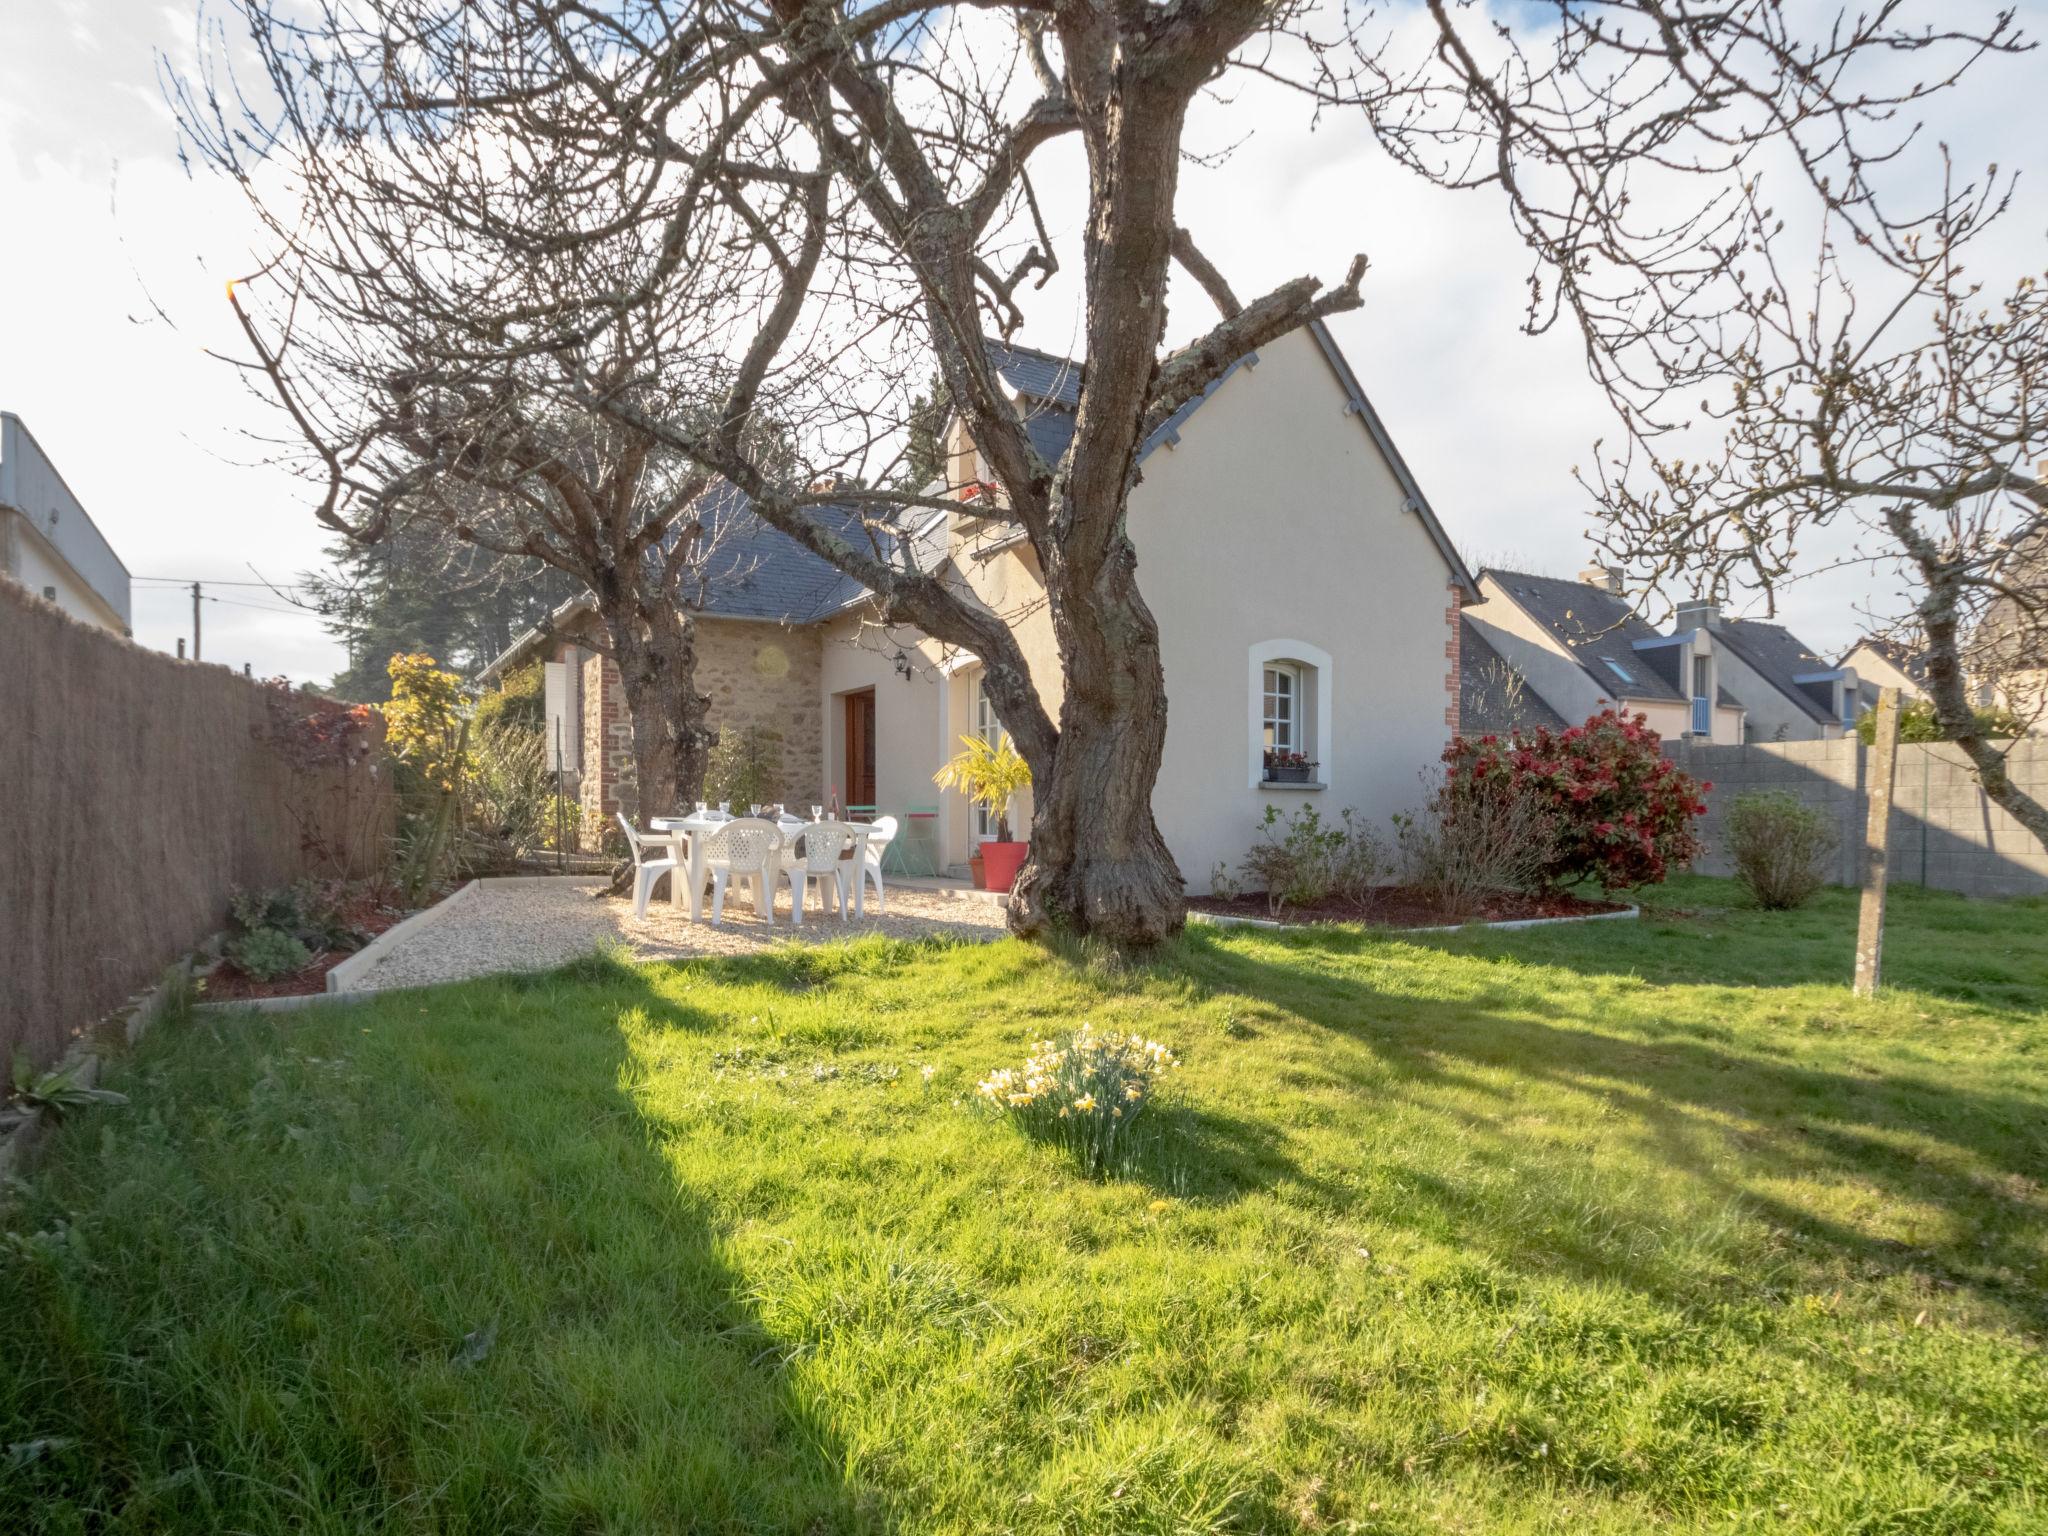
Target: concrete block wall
{"x":1945,"y":832}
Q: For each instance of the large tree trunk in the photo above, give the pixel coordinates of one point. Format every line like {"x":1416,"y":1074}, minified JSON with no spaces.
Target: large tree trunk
{"x":1098,"y":864}
{"x":1947,"y":690}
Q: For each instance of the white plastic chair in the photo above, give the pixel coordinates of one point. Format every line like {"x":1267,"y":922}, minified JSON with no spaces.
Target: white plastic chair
{"x":819,"y":863}
{"x":881,"y":833}
{"x":646,"y":871}
{"x":748,"y":849}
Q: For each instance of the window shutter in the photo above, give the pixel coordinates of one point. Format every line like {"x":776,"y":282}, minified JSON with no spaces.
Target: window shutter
{"x":564,"y":721}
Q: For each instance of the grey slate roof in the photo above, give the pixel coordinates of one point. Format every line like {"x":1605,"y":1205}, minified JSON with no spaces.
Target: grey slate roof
{"x":758,"y":572}
{"x":1778,"y":656}
{"x":1049,"y":390}
{"x":1483,"y":708}
{"x":1041,"y":375}
{"x":1599,"y":629}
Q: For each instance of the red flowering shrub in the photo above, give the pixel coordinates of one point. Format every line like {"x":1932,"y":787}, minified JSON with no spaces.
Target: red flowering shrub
{"x":1624,"y":812}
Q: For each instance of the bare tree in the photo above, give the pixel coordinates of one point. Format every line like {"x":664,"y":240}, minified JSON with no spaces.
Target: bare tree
{"x":1918,"y":421}
{"x":822,"y":201}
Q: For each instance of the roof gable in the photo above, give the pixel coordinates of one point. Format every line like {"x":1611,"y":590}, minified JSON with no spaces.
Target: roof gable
{"x":1048,"y":388}
{"x":1780,"y":658}
{"x":1597,"y":628}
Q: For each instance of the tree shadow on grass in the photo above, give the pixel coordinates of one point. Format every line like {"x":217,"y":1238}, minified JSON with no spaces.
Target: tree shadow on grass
{"x":416,"y":1265}
{"x":1745,"y":1128}
{"x":1706,"y":933}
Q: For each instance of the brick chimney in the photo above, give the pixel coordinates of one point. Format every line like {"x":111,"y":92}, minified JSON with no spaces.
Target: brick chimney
{"x":1698,"y":614}
{"x":1606,"y":577}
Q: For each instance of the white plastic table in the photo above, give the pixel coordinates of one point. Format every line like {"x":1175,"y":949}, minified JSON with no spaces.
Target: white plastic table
{"x":692,"y":829}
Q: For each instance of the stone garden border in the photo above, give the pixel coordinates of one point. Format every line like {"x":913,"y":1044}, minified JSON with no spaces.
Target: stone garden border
{"x":1227,"y":920}
{"x":343,"y":977}
{"x":140,"y":1013}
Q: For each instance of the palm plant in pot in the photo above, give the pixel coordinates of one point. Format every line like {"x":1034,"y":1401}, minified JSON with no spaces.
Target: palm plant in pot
{"x":990,"y":774}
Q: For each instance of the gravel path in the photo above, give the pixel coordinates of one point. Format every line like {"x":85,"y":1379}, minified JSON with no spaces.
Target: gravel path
{"x":534,"y":924}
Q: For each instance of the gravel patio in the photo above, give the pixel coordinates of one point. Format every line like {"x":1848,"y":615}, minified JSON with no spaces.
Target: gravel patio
{"x":535,"y":923}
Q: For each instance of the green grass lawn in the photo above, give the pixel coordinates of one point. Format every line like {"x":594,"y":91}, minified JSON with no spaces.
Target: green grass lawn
{"x":1611,"y":1228}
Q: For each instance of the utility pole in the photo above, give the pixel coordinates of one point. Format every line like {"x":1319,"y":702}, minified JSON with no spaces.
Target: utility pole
{"x":195,"y":621}
{"x":1884,"y":762}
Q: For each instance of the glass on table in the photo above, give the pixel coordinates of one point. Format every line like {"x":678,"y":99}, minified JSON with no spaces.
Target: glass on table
{"x":817,"y":813}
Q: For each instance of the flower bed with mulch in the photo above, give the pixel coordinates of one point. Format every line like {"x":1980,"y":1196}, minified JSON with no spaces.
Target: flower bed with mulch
{"x":370,"y":912}
{"x":1406,"y":906}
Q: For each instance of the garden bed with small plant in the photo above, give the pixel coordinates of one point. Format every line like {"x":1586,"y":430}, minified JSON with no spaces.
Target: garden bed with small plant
{"x":283,"y":942}
{"x":1410,"y":906}
{"x":1542,"y":825}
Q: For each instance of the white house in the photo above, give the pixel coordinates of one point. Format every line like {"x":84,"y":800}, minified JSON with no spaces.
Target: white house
{"x":48,"y":543}
{"x":1307,"y":599}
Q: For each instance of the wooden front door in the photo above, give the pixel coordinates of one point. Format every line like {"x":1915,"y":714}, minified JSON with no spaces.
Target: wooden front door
{"x":860,"y":748}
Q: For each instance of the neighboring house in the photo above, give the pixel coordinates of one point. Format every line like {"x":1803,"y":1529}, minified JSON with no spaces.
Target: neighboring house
{"x":1581,"y":648}
{"x":1879,"y":662}
{"x":1791,"y":694}
{"x":48,"y":543}
{"x":1306,"y":595}
{"x":1494,"y":698}
{"x":2007,"y":654}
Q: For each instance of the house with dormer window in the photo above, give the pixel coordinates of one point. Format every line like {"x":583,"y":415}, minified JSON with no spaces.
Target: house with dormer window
{"x":1579,"y":647}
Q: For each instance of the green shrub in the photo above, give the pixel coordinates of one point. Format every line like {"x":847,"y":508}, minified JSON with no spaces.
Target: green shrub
{"x":1475,"y":838}
{"x":510,"y":791}
{"x":1917,"y":723}
{"x":1780,"y":848}
{"x":1083,"y":1091}
{"x":307,"y":910}
{"x":745,"y":767}
{"x":268,"y":953}
{"x":518,"y":704}
{"x":1295,"y":859}
{"x":1302,"y":860}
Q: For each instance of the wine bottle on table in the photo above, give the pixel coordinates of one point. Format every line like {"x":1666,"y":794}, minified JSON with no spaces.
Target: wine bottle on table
{"x":832,"y":805}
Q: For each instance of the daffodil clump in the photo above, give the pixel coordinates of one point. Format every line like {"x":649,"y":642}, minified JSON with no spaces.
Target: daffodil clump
{"x":1084,"y":1090}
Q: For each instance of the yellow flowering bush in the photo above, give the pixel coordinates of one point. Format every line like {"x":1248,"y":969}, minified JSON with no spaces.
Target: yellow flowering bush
{"x":1083,"y":1091}
{"x":423,"y":721}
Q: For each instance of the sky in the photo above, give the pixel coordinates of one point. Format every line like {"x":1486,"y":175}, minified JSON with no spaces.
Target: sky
{"x":113,"y":264}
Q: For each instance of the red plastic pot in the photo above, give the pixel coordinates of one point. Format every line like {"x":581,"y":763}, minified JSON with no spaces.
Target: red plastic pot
{"x":1000,"y":863}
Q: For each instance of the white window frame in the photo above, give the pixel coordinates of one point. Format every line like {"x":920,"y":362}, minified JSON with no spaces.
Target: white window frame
{"x":1315,"y":708}
{"x":1294,"y":676}
{"x":990,"y":730}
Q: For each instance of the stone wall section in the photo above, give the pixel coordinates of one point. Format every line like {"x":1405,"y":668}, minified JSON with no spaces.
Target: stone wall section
{"x":768,"y":677}
{"x":759,"y":676}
